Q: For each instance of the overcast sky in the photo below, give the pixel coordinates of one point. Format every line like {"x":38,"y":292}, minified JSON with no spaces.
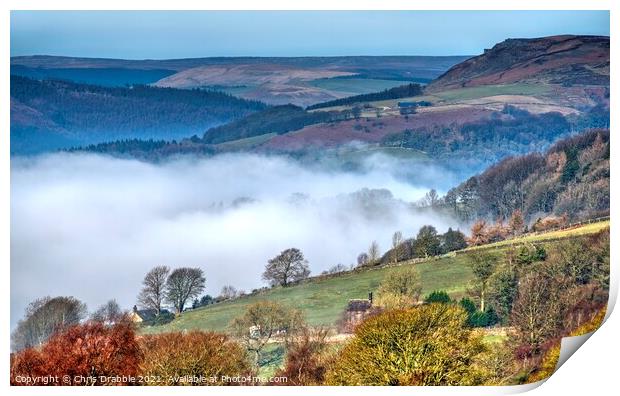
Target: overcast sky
{"x":184,"y":34}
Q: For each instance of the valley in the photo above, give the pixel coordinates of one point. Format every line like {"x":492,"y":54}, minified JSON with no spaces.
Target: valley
{"x":329,"y":220}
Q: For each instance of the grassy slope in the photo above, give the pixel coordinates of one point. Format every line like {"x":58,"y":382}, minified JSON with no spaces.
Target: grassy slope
{"x":322,"y":301}
{"x":356,"y":86}
{"x":394,"y":152}
{"x":567,"y":233}
{"x":246,"y":143}
{"x":457,"y":95}
{"x":491,"y":90}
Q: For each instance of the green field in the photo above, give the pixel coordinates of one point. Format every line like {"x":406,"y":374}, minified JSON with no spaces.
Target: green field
{"x":458,"y":95}
{"x":548,"y":236}
{"x":247,"y":143}
{"x":323,"y":300}
{"x":484,"y":91}
{"x":356,"y":86}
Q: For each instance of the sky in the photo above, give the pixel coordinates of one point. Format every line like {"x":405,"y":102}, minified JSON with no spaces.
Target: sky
{"x":187,"y":34}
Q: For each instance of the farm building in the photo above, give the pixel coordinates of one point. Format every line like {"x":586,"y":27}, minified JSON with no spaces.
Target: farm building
{"x":357,"y":310}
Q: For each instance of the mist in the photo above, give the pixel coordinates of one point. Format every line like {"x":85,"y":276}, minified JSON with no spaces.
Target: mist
{"x":91,"y":226}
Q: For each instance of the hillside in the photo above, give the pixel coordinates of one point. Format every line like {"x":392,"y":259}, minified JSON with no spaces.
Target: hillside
{"x":298,"y":80}
{"x":564,"y":60}
{"x":277,"y":119}
{"x":323,"y":299}
{"x":465,"y":127}
{"x":107,"y":77}
{"x":48,"y":114}
{"x":403,"y":91}
{"x":571,"y":177}
{"x":463,"y":140}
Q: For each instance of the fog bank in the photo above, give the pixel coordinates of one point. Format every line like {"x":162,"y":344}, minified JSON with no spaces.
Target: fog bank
{"x":91,"y":226}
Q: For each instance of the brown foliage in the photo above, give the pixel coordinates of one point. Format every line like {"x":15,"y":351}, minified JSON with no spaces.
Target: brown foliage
{"x":497,"y":232}
{"x":264,"y":320}
{"x":90,"y":350}
{"x":478,"y":233}
{"x":549,"y":361}
{"x":550,"y":223}
{"x":27,"y":363}
{"x":306,"y":360}
{"x":516,"y":223}
{"x":175,"y":357}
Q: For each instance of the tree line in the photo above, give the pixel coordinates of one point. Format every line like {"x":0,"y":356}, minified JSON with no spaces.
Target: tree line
{"x":427,"y":243}
{"x":85,"y":112}
{"x":403,"y":91}
{"x":571,"y":177}
{"x":542,"y":291}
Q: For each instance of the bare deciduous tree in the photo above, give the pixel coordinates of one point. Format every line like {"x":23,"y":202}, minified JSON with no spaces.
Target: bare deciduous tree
{"x":182,"y":285}
{"x":264,"y":320}
{"x":516,"y":224}
{"x":483,"y":265}
{"x":397,"y":247}
{"x":336,"y":269}
{"x":229,"y":292}
{"x":362,"y":259}
{"x":538,"y":310}
{"x":153,"y":288}
{"x":289,"y":266}
{"x":400,"y":289}
{"x":108,"y":313}
{"x":373,"y":252}
{"x":432,"y":198}
{"x":45,"y":316}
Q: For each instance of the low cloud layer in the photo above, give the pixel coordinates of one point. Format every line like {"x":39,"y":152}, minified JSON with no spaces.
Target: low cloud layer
{"x":91,"y":226}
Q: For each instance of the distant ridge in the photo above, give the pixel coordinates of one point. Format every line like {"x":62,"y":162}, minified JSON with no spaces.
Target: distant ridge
{"x":565,"y":60}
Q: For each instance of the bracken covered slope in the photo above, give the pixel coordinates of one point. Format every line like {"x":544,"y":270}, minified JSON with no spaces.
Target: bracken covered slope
{"x":563,"y":60}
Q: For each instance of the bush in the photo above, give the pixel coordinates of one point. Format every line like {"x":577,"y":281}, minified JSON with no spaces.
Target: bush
{"x":468,"y":305}
{"x":476,"y":318}
{"x":483,"y":319}
{"x":306,"y":363}
{"x":264,"y":320}
{"x":87,"y":350}
{"x":400,"y":289}
{"x":195,"y":354}
{"x":530,"y":254}
{"x":426,"y":345}
{"x":438,"y":296}
{"x":163,"y":318}
{"x":552,"y":356}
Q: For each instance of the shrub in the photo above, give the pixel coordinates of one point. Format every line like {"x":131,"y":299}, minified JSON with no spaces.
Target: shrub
{"x":530,"y":254}
{"x":496,"y":364}
{"x":552,"y":356}
{"x":163,"y":318}
{"x":88,"y":350}
{"x":426,"y":345}
{"x":483,"y":319}
{"x":172,"y":356}
{"x":477,"y":318}
{"x":400,"y":289}
{"x":438,"y":296}
{"x":306,"y":360}
{"x":264,"y":320}
{"x":468,"y":305}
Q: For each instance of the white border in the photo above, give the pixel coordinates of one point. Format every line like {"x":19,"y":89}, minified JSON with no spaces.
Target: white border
{"x":592,"y":369}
